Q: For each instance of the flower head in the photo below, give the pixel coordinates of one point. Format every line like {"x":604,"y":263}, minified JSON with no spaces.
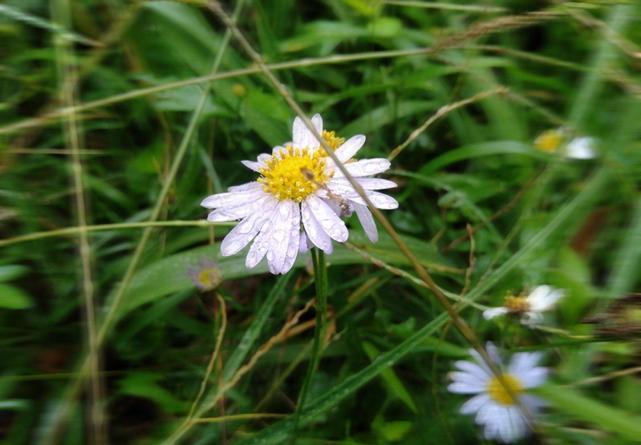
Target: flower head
{"x":560,"y":141}
{"x":500,"y":403}
{"x":528,"y":308}
{"x":206,"y":275}
{"x":299,"y":198}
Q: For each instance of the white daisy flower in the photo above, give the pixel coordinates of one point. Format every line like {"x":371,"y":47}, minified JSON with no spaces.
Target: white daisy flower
{"x":500,"y":405}
{"x":529,"y":308}
{"x":299,"y":198}
{"x":559,"y":140}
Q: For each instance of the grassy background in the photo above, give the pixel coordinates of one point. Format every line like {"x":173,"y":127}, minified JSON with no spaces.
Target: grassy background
{"x":107,"y":122}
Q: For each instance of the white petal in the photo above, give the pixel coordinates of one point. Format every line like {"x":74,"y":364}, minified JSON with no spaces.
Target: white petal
{"x":350,"y":147}
{"x":469,"y":379}
{"x":534,"y":377}
{"x":365,"y":167}
{"x":317,"y":121}
{"x":245,"y":187}
{"x":279,"y":237}
{"x":380,"y":200}
{"x":464,"y":388}
{"x":522,"y":362}
{"x":488,"y":314}
{"x":473,"y":368}
{"x":513,"y":427}
{"x":474,"y":404}
{"x":231,"y":199}
{"x":277,"y":150}
{"x":302,"y":137}
{"x":304,"y":244}
{"x":581,"y":148}
{"x":263,"y":158}
{"x":260,"y":245}
{"x":244,"y":232}
{"x":255,"y":166}
{"x":327,"y":219}
{"x":240,"y":211}
{"x":367,"y":221}
{"x":373,"y":183}
{"x":314,"y":230}
{"x":543,"y":298}
{"x":294,"y":240}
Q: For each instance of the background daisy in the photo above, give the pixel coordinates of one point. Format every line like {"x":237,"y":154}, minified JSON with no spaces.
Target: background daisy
{"x":501,"y":406}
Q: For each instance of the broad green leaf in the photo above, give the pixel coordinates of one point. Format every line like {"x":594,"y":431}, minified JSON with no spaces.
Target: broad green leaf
{"x":580,"y":407}
{"x":12,"y":271}
{"x":13,"y":298}
{"x":172,"y":274}
{"x":480,"y":150}
{"x":146,"y":386}
{"x":394,"y":385}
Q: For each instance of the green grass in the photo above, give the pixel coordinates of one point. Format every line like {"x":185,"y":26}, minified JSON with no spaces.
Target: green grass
{"x":118,"y":117}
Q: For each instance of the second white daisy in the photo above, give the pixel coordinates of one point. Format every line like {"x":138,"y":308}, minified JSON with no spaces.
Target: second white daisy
{"x":500,"y":403}
{"x":299,"y":199}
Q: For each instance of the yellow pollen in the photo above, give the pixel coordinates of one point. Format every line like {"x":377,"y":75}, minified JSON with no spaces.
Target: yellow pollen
{"x":332,"y":140}
{"x":504,"y":390}
{"x":516,"y":304}
{"x":549,"y":141}
{"x":294,"y":174}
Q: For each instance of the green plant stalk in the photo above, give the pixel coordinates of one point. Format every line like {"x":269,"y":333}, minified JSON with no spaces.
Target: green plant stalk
{"x":320,"y":280}
{"x":453,"y":41}
{"x":48,"y":434}
{"x":67,"y":74}
{"x":106,"y":228}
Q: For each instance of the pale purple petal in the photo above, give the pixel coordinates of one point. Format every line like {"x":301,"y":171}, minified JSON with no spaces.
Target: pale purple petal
{"x":327,"y":219}
{"x":314,"y":230}
{"x":367,"y":221}
{"x":488,"y":314}
{"x":279,"y":237}
{"x":350,"y":147}
{"x":365,"y":167}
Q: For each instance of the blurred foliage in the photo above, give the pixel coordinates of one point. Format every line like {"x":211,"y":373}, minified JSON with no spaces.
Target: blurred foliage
{"x":535,"y":217}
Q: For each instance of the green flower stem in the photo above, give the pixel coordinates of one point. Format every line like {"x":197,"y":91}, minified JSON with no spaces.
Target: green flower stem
{"x":320,"y":280}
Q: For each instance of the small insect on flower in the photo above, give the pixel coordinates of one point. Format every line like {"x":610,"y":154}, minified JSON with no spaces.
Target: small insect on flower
{"x":299,"y":198}
{"x":500,"y":403}
{"x":205,"y":276}
{"x":529,"y":309}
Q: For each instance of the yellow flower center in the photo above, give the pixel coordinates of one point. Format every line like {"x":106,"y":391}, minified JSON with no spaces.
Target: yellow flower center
{"x":504,"y":390}
{"x":516,"y":304}
{"x":332,"y":140}
{"x":295,"y":175}
{"x":549,"y":141}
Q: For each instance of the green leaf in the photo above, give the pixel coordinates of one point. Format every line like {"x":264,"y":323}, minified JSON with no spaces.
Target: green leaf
{"x":172,"y":274}
{"x":144,"y":385}
{"x":392,"y":382}
{"x":479,"y":150}
{"x":13,"y":298}
{"x":584,"y":408}
{"x":12,"y":271}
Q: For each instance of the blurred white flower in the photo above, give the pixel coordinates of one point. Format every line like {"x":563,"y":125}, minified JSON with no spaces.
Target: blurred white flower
{"x":558,"y":140}
{"x":500,"y":405}
{"x":529,"y":308}
{"x":299,"y":198}
{"x":583,"y":147}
